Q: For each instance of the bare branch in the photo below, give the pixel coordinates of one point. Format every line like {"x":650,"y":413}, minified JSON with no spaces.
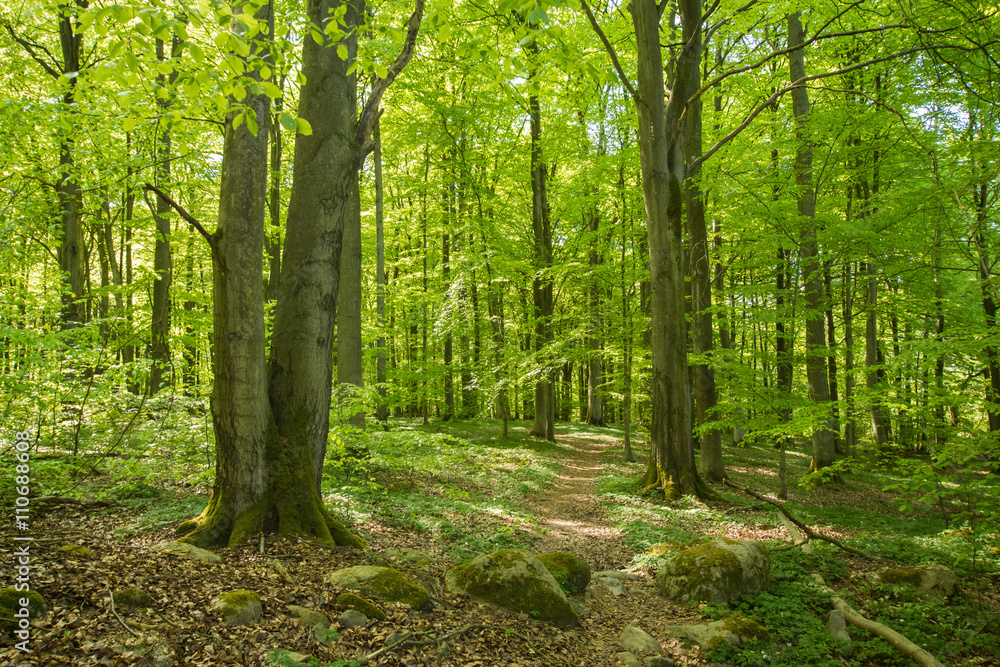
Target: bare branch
{"x":610,"y":49}
{"x":190,"y":219}
{"x":30,"y":48}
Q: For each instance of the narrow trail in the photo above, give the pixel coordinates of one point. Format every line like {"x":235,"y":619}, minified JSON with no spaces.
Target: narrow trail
{"x":571,"y":518}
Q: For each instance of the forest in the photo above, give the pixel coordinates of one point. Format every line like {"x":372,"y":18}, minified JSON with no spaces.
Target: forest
{"x":347,"y":284}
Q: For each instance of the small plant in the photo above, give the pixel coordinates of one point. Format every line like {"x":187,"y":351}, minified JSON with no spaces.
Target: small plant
{"x":282,"y":658}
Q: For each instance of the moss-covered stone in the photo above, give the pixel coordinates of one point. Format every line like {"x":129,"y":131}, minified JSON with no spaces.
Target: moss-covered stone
{"x":362,"y":605}
{"x":133,"y":598}
{"x":382,"y":583}
{"x":513,"y":580}
{"x":76,"y":550}
{"x":719,"y":571}
{"x":733,"y":630}
{"x":10,"y":604}
{"x":185,"y":550}
{"x":239,"y":607}
{"x":571,"y":571}
{"x":746,"y":628}
{"x":934,"y":580}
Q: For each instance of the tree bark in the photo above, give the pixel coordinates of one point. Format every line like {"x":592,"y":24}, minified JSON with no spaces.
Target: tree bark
{"x":382,"y":410}
{"x":350,"y":372}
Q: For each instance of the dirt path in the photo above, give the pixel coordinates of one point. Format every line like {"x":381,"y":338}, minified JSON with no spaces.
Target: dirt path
{"x":571,"y":517}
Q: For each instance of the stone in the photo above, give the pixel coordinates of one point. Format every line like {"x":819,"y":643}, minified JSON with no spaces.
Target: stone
{"x":722,"y":570}
{"x":184,"y":550}
{"x":629,"y":660}
{"x":658,"y":661}
{"x":10,"y":604}
{"x":381,"y":583}
{"x":132,"y":598}
{"x":76,"y":550}
{"x":408,"y":555}
{"x":836,"y":625}
{"x":636,"y":639}
{"x":514,"y":580}
{"x":239,"y":607}
{"x":934,"y":580}
{"x":616,"y":574}
{"x":309,"y":618}
{"x":580,"y":608}
{"x":616,"y":586}
{"x":362,"y":605}
{"x":571,"y":571}
{"x":395,"y":638}
{"x":352,"y":618}
{"x":733,"y":630}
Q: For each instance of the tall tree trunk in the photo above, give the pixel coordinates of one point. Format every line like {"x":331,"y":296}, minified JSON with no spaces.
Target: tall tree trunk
{"x":672,"y":466}
{"x":850,"y":429}
{"x":595,"y":403}
{"x":71,"y":250}
{"x":350,"y":371}
{"x":831,"y":340}
{"x":873,"y":360}
{"x":272,"y":236}
{"x":823,"y":449}
{"x":382,"y":410}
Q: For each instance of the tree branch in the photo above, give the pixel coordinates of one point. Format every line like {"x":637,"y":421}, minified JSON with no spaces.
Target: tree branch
{"x":371,"y":112}
{"x":181,"y":212}
{"x":610,"y":49}
{"x":30,"y":48}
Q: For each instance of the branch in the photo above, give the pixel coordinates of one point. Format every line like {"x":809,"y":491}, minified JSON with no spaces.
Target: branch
{"x":610,"y":49}
{"x":30,"y":48}
{"x":181,"y":212}
{"x":803,"y":527}
{"x":371,"y":112}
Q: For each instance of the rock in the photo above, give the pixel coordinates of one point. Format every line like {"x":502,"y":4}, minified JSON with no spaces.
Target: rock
{"x":444,"y":651}
{"x":616,"y":586}
{"x":580,"y":608}
{"x":352,"y":618}
{"x":362,"y":605}
{"x":571,"y":571}
{"x":132,"y":598}
{"x":10,"y":606}
{"x":76,"y":550}
{"x":629,"y":660}
{"x":935,"y":580}
{"x":409,"y":556}
{"x":658,"y":661}
{"x":616,"y":574}
{"x":513,"y":580}
{"x":382,"y":583}
{"x":733,"y":630}
{"x":309,"y":618}
{"x":719,"y":571}
{"x":239,"y":607}
{"x":836,"y":625}
{"x":635,"y":639}
{"x":297,"y":657}
{"x":184,"y":550}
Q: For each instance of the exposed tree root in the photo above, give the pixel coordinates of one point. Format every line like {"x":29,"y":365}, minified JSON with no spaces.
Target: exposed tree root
{"x":801,"y":526}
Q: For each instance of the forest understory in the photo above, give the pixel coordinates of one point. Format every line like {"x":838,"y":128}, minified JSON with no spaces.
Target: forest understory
{"x":456,"y":490}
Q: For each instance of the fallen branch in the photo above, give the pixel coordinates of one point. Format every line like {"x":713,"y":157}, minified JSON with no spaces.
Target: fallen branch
{"x":898,"y":641}
{"x":803,"y":527}
{"x":124,"y":624}
{"x":65,"y":500}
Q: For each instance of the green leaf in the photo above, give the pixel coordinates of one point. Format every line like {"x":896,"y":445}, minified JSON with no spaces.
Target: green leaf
{"x":303,"y":126}
{"x":252,"y":122}
{"x":342,"y":51}
{"x":237,"y":120}
{"x":272,"y":90}
{"x":381,"y":71}
{"x":288,"y":122}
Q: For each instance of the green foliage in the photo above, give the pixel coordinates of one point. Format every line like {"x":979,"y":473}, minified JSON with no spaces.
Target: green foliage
{"x":282,"y":658}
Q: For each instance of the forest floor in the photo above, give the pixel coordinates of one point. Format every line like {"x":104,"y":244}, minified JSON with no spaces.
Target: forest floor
{"x":427,"y":491}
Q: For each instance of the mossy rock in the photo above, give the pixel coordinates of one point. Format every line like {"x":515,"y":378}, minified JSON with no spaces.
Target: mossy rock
{"x":408,"y":556}
{"x":133,"y":598}
{"x":935,"y":580}
{"x":10,"y":603}
{"x":382,"y":583}
{"x":76,"y":550}
{"x":571,"y":571}
{"x":733,"y":630}
{"x":516,"y":581}
{"x":185,"y":550}
{"x":239,"y":607}
{"x":362,"y":605}
{"x":722,"y":570}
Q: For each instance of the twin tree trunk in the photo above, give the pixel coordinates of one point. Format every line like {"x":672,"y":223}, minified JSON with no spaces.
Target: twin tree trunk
{"x":272,"y":423}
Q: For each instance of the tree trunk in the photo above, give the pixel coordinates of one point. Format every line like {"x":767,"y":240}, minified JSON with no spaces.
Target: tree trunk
{"x":382,"y":410}
{"x":823,"y":449}
{"x":831,"y":340}
{"x":671,"y":466}
{"x":850,"y":430}
{"x":350,"y":372}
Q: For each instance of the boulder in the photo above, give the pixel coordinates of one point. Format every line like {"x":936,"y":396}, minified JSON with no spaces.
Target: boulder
{"x":382,"y":583}
{"x":239,"y":607}
{"x":571,"y":571}
{"x":76,"y":550}
{"x":10,"y":604}
{"x":637,"y":640}
{"x":628,"y":659}
{"x":352,"y":618}
{"x":309,"y":618}
{"x":514,"y":580}
{"x":722,"y":570}
{"x":733,"y":630}
{"x":133,"y":598}
{"x":935,"y":580}
{"x":184,"y":550}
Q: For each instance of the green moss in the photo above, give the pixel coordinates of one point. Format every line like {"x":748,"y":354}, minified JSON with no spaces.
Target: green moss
{"x":910,"y":576}
{"x":239,"y":607}
{"x":76,"y":550}
{"x":571,"y":571}
{"x":10,"y":602}
{"x":391,"y":584}
{"x":133,"y":598}
{"x":506,"y":579}
{"x":745,"y":628}
{"x":709,"y":572}
{"x":362,"y":605}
